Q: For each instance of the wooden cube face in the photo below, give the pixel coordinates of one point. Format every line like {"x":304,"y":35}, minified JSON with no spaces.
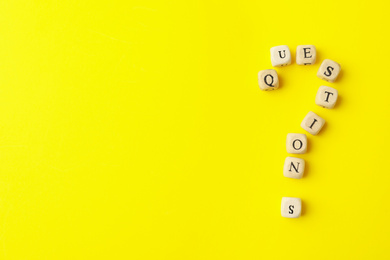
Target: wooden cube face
{"x":306,"y":54}
{"x":326,"y":97}
{"x":312,"y":123}
{"x":268,"y":80}
{"x":329,"y":70}
{"x":294,"y":167}
{"x":280,"y":56}
{"x":291,"y":207}
{"x":296,"y":143}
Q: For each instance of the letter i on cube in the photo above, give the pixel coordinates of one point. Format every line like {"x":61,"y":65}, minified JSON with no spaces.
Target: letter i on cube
{"x":312,"y":123}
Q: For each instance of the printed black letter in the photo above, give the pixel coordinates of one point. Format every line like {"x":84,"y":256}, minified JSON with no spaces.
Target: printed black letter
{"x":272,"y":80}
{"x":306,"y":52}
{"x":315,"y":120}
{"x":280,"y":54}
{"x":300,"y":142}
{"x":329,"y":71}
{"x":291,"y":207}
{"x":295,"y":168}
{"x":327,"y":97}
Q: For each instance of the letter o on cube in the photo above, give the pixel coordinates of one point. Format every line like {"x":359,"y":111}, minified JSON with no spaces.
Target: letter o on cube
{"x":296,"y":143}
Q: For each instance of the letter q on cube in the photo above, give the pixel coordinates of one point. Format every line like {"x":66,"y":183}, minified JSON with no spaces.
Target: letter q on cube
{"x":268,"y":80}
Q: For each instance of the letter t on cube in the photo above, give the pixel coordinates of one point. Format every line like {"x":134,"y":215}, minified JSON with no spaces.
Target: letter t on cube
{"x":326,"y":97}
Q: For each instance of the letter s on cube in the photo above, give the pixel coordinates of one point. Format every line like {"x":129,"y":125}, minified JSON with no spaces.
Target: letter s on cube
{"x":329,"y":70}
{"x":291,"y":207}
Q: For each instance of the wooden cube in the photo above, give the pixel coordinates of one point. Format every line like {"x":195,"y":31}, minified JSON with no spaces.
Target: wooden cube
{"x":329,"y":70}
{"x":294,"y":167}
{"x":326,"y":97}
{"x":280,"y":56}
{"x":306,"y":54}
{"x":312,"y":123}
{"x":296,"y":143}
{"x":268,"y":80}
{"x":291,"y":207}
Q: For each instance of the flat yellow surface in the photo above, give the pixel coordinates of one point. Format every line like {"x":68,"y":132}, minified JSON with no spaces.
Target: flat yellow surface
{"x":136,"y":130}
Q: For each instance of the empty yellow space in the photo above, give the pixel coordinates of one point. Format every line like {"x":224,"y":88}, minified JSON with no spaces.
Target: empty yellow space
{"x":137,"y":130}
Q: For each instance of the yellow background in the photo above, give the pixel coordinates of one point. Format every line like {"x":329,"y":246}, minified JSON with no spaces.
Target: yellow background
{"x":137,"y":130}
